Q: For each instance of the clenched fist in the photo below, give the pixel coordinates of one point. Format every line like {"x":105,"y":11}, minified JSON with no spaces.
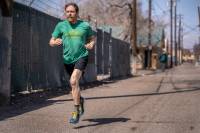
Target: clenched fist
{"x":55,"y":42}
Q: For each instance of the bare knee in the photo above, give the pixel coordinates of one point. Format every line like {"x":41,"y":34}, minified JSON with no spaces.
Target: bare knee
{"x":73,"y":82}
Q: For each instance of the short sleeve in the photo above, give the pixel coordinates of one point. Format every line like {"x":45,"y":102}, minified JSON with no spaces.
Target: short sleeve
{"x":56,"y":33}
{"x":90,"y":32}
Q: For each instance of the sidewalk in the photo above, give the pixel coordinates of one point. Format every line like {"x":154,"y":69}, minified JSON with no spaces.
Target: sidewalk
{"x":41,"y":96}
{"x":48,"y":112}
{"x":143,"y":72}
{"x":134,"y":104}
{"x":140,"y":72}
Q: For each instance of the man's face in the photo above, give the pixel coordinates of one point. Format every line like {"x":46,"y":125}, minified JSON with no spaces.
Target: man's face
{"x":71,"y":13}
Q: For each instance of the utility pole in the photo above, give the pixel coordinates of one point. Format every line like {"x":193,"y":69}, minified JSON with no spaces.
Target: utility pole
{"x":199,"y":15}
{"x":171,"y":32}
{"x":134,"y":24}
{"x":134,"y":33}
{"x":199,"y":24}
{"x":149,"y":36}
{"x":167,"y":50}
{"x":199,"y":21}
{"x":175,"y":41}
{"x":182,"y":48}
{"x":167,"y":46}
{"x":179,"y":39}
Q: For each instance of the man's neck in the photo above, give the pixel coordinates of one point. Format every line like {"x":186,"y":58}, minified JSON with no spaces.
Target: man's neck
{"x":73,"y":22}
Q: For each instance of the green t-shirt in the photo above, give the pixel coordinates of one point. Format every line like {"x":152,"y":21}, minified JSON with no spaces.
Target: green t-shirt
{"x":74,"y":37}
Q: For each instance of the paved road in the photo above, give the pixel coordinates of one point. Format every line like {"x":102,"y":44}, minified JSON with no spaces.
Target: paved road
{"x":164,"y":102}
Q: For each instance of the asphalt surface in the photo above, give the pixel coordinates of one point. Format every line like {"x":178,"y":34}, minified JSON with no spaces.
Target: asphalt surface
{"x":158,"y":102}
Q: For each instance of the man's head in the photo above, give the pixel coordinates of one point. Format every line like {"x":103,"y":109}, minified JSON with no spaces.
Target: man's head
{"x":71,"y":11}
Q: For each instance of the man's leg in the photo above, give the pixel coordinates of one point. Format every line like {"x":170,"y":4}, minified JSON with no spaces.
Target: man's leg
{"x":74,"y":82}
{"x":79,"y":67}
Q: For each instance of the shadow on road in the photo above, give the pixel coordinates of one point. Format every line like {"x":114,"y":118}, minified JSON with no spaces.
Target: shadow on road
{"x":145,"y":94}
{"x":23,"y":103}
{"x":42,"y":99}
{"x":18,"y":110}
{"x":102,"y":121}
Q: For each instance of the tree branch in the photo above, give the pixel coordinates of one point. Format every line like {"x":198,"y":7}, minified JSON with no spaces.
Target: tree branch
{"x":121,"y":6}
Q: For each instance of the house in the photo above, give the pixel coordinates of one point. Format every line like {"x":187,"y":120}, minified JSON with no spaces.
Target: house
{"x":188,"y":56}
{"x":156,"y":48}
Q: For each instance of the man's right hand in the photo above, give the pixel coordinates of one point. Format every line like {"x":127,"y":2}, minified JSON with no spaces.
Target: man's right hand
{"x":55,"y":42}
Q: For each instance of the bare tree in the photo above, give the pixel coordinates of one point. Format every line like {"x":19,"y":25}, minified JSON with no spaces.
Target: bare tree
{"x":121,"y":13}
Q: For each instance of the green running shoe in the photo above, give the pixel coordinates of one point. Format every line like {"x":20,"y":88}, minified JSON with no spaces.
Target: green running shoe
{"x":75,"y":118}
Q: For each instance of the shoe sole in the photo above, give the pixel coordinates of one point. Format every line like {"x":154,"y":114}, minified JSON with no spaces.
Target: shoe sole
{"x":73,"y":122}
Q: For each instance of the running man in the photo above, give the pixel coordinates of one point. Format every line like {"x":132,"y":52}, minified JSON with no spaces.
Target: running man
{"x":77,"y":38}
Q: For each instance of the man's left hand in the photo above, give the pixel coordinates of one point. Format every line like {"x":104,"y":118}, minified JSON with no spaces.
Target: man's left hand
{"x":90,"y":44}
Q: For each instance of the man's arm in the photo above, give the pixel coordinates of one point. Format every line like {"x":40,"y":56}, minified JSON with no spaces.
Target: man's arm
{"x":90,"y":43}
{"x":55,"y":41}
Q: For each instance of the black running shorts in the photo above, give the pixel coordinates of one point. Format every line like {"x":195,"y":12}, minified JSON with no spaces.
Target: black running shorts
{"x":79,"y":64}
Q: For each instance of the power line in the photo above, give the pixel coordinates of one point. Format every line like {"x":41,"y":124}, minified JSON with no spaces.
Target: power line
{"x":31,"y":2}
{"x":155,"y":14}
{"x":188,"y":26}
{"x":43,"y":6}
{"x":159,"y":7}
{"x":188,"y":32}
{"x":191,"y":29}
{"x":160,"y":16}
{"x":48,"y":5}
{"x":39,"y":6}
{"x":54,"y":2}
